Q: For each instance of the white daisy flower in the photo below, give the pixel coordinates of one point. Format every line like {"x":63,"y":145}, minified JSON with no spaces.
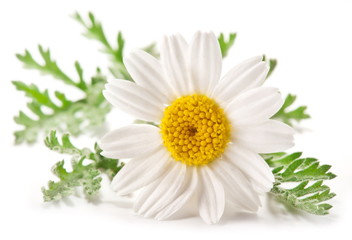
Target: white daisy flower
{"x":210,"y":132}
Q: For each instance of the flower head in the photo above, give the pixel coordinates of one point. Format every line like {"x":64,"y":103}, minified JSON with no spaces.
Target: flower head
{"x":211,"y":130}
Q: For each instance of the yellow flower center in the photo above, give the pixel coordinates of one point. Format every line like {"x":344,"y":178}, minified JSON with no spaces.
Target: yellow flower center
{"x":195,"y":129}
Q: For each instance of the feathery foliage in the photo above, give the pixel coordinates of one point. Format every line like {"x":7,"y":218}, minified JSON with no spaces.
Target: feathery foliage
{"x":87,"y":167}
{"x":81,"y":175}
{"x":284,"y":114}
{"x":152,"y":50}
{"x":65,"y":115}
{"x":94,"y":30}
{"x":289,"y":116}
{"x":272,"y":65}
{"x":309,"y":194}
{"x":225,"y":45}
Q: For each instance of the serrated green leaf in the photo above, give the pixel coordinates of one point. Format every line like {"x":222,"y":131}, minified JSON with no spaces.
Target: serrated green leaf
{"x":309,"y":174}
{"x":289,"y":116}
{"x":87,"y":176}
{"x":67,"y":116}
{"x":306,"y":205}
{"x":272,"y":65}
{"x":33,"y":92}
{"x":226,"y":44}
{"x":94,"y":30}
{"x":81,"y":175}
{"x":49,"y":67}
{"x":91,"y":183}
{"x":152,"y":50}
{"x":109,"y":166}
{"x":281,"y":159}
{"x":289,"y":171}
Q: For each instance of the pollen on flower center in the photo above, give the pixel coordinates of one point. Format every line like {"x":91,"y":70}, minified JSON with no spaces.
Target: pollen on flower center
{"x":195,"y":129}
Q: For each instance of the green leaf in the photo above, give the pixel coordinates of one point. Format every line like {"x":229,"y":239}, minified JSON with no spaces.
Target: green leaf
{"x":50,"y":67}
{"x":87,"y":176}
{"x":225,"y":45}
{"x":152,"y":50}
{"x":81,"y":175}
{"x":310,"y":204}
{"x":109,"y":166}
{"x":272,"y":65}
{"x":94,"y":30}
{"x":289,"y":116}
{"x":32,"y":91}
{"x":56,"y":111}
{"x":309,"y":193}
{"x":66,"y":147}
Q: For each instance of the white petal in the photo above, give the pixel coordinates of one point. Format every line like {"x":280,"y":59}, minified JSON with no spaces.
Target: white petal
{"x":141,"y":171}
{"x":206,"y":62}
{"x":174,"y":54}
{"x":144,"y":194}
{"x":247,"y":75}
{"x":252,"y":165}
{"x":130,"y":141}
{"x":238,"y":189}
{"x":133,"y":99}
{"x":211,"y":199}
{"x":254,"y":105}
{"x":265,"y":137}
{"x":147,"y":72}
{"x":157,"y":196}
{"x":178,"y":200}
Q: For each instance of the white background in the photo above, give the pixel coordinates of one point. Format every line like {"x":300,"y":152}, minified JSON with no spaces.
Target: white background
{"x":312,"y":41}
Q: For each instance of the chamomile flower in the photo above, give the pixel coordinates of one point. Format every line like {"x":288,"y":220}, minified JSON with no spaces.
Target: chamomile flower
{"x":210,"y":130}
